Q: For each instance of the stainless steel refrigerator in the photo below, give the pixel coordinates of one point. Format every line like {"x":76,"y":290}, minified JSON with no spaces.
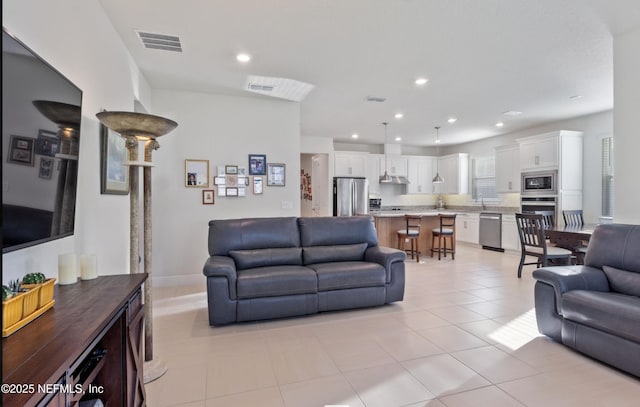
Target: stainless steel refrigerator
{"x":350,"y":196}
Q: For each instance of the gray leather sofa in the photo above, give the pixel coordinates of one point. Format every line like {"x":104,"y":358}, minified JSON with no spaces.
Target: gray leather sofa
{"x":262,"y":268}
{"x":595,"y":308}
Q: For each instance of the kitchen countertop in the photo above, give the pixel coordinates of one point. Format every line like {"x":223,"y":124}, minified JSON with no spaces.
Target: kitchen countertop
{"x":430,"y":211}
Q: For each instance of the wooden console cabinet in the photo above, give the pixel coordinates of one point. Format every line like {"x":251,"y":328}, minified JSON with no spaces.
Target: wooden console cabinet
{"x":88,"y":346}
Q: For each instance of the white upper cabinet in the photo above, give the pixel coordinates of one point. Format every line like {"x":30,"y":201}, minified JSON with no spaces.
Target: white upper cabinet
{"x":455,"y":171}
{"x":560,"y":150}
{"x":508,"y":169}
{"x":350,"y":164}
{"x":539,"y":153}
{"x":420,"y":173}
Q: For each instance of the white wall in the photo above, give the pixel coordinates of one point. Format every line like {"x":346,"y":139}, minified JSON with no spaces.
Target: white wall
{"x":626,"y":63}
{"x":223,"y":130}
{"x":77,"y":39}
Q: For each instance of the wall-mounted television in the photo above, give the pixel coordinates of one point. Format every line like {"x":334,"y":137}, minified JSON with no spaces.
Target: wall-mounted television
{"x":41,"y":111}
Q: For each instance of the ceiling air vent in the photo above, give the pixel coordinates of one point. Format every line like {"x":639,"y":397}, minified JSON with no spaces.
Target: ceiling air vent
{"x":282,"y":88}
{"x":264,"y":88}
{"x":376,"y":99}
{"x":160,"y":41}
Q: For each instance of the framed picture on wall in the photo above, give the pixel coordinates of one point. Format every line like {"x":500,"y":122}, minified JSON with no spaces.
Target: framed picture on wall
{"x":257,"y":185}
{"x":46,"y":167}
{"x":48,"y":143}
{"x":21,"y":150}
{"x":114,"y":175}
{"x":257,"y":164}
{"x":207,"y":197}
{"x":196,"y":173}
{"x":276,"y":175}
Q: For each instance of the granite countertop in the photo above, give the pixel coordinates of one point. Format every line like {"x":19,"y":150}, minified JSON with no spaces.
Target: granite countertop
{"x":430,"y":211}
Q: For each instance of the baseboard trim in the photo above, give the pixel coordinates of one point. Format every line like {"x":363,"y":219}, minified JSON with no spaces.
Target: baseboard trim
{"x":176,"y":281}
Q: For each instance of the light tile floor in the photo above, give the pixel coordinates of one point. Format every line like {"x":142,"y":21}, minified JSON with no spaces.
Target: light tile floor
{"x":465,"y":335}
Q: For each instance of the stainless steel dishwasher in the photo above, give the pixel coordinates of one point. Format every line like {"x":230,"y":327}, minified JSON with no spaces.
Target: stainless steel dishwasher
{"x":491,"y":231}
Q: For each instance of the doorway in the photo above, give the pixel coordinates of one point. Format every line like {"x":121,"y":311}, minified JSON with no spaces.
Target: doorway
{"x":314,"y":185}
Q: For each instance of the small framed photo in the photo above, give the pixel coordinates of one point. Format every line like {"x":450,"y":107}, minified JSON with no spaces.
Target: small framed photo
{"x":46,"y":167}
{"x":219,"y":181}
{"x":21,"y":150}
{"x":231,"y":180}
{"x":276,"y":175}
{"x":207,"y":197}
{"x":114,"y":175}
{"x":242,"y":171}
{"x":257,"y":164}
{"x":222,"y":190}
{"x":231,"y":169}
{"x":47,"y":143}
{"x":242,"y":180}
{"x":257,"y":185}
{"x":242,"y":191}
{"x":232,"y":191}
{"x":196,"y":173}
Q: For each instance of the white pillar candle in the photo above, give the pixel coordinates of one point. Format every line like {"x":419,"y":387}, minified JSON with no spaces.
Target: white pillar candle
{"x":67,"y":272}
{"x":88,"y":266}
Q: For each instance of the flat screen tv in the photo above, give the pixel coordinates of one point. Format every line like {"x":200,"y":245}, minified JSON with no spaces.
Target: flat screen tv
{"x":40,"y":144}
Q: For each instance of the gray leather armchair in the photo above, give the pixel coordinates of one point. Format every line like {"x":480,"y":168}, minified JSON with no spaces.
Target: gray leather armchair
{"x":262,"y":268}
{"x":595,"y":308}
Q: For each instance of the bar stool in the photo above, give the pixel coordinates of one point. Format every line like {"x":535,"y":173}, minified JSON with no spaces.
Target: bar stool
{"x":446,"y":231}
{"x":411,"y":232}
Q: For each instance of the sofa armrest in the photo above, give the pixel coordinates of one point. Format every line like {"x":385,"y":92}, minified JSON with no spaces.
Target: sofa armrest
{"x":222,"y":266}
{"x":567,"y":278}
{"x":384,"y":256}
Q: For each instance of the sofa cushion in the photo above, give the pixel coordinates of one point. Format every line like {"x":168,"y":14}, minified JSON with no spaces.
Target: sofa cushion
{"x":326,"y":254}
{"x":623,"y":281}
{"x":252,"y":233}
{"x":615,"y":313}
{"x":276,"y":280}
{"x":336,"y":230}
{"x":246,"y":259}
{"x":614,"y":245}
{"x":348,"y":274}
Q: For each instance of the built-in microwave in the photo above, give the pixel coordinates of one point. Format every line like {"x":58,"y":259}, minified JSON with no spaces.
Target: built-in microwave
{"x":539,"y":183}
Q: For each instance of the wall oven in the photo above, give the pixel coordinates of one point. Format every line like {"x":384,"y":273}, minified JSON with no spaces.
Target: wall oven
{"x":539,"y":183}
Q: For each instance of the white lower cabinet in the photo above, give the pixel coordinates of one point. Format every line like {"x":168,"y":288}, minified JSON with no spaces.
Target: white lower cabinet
{"x":510,"y":238}
{"x":468,"y":227}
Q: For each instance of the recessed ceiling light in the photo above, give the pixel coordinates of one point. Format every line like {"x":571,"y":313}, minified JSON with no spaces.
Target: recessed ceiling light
{"x":575,"y":97}
{"x":354,"y":135}
{"x":399,"y":115}
{"x":243,"y":57}
{"x":512,"y":113}
{"x":499,"y":124}
{"x":421,"y":81}
{"x":452,"y":119}
{"x":398,"y":138}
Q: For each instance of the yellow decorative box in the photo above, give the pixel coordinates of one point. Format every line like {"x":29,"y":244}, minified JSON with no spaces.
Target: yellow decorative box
{"x":46,"y":291}
{"x":18,"y":311}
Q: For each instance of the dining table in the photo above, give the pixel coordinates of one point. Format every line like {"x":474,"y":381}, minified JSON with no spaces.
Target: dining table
{"x":571,"y":237}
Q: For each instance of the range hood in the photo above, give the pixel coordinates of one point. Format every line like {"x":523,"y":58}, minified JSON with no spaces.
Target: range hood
{"x":387,"y":179}
{"x":393,"y":179}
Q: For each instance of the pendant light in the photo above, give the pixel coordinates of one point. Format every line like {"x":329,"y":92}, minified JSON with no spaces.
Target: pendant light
{"x":385,"y":179}
{"x":437,"y":179}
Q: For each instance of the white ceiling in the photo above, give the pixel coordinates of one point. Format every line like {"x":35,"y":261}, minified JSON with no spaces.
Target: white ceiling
{"x":482,"y":58}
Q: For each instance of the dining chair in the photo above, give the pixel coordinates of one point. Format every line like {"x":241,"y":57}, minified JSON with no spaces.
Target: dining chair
{"x":410,"y":233}
{"x":573,"y":217}
{"x":548,"y":218}
{"x":533,"y":242}
{"x":447,"y":230}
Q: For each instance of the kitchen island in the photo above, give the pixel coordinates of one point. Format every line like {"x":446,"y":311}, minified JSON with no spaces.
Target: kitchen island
{"x":389,"y":222}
